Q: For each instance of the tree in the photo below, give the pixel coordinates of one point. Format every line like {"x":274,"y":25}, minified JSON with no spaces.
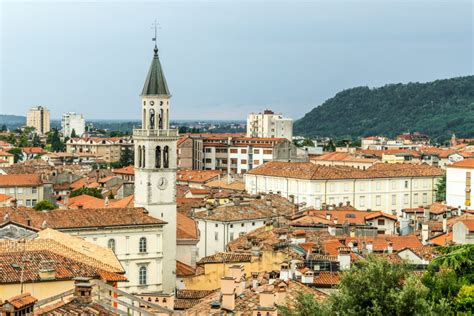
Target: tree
{"x":86,"y":191}
{"x":329,"y":146}
{"x":126,"y":157}
{"x":4,"y":128}
{"x":73,"y":133}
{"x":440,"y":190}
{"x":23,"y":141}
{"x":36,"y":141}
{"x":55,"y":141}
{"x":17,"y":154}
{"x":44,"y":205}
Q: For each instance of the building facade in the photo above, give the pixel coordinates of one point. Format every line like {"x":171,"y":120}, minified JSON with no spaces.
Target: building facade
{"x":73,"y":122}
{"x":26,"y":189}
{"x":269,"y":125}
{"x":156,"y":164}
{"x":109,"y":149}
{"x":459,"y":184}
{"x":385,"y":187}
{"x":39,"y":118}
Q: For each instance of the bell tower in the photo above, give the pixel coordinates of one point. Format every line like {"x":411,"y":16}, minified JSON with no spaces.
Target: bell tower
{"x":155,"y":165}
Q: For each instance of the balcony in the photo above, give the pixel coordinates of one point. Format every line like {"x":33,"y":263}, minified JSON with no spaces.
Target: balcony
{"x":155,"y":132}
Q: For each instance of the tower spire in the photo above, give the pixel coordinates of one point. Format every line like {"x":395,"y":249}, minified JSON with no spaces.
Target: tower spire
{"x":155,"y":26}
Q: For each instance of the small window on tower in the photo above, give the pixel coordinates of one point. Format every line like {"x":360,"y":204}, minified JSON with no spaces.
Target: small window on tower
{"x":161,"y":102}
{"x":144,"y":102}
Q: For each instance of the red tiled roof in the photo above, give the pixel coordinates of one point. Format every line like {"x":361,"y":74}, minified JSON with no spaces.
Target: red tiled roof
{"x":183,"y":270}
{"x":469,"y":223}
{"x":380,"y":242}
{"x":4,"y":197}
{"x":326,"y":278}
{"x":33,"y":150}
{"x":130,"y":170}
{"x":466,"y":163}
{"x":442,"y":240}
{"x":199,"y":176}
{"x":186,"y":227}
{"x":20,"y":180}
{"x":21,"y":300}
{"x":380,"y":214}
{"x":227,"y":257}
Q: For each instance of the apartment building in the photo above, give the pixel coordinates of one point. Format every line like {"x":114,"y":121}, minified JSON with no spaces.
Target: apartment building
{"x":27,"y":189}
{"x":73,"y":122}
{"x":191,"y":152}
{"x":459,"y":184}
{"x":385,"y":187}
{"x":39,"y":118}
{"x":269,"y":125}
{"x":110,"y":149}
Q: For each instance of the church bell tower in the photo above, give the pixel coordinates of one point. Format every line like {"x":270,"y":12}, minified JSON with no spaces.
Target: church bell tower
{"x":155,"y":164}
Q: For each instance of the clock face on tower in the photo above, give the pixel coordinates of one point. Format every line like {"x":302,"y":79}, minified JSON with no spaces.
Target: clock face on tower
{"x":162,"y":183}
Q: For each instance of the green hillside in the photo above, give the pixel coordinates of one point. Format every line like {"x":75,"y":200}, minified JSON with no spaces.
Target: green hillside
{"x":437,"y":108}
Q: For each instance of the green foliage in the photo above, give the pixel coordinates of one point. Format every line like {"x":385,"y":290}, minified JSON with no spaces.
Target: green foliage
{"x":126,"y":157}
{"x":3,"y":128}
{"x":329,"y":146}
{"x":464,"y":301}
{"x":73,"y":133}
{"x":44,"y":205}
{"x":305,"y":305}
{"x":87,"y":191}
{"x":36,"y":142}
{"x":55,"y":141}
{"x":23,"y":141}
{"x":16,"y":152}
{"x":440,"y":190}
{"x":439,"y":109}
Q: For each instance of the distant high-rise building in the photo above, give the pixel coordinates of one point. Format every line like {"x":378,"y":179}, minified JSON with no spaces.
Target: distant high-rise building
{"x":73,"y":122}
{"x":269,"y":125}
{"x":38,"y":117}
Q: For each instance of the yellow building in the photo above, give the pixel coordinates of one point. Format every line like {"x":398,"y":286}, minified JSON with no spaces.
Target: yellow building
{"x":39,"y":118}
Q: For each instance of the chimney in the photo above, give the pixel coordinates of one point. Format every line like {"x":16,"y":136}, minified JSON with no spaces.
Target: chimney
{"x":106,"y":202}
{"x":369,"y":247}
{"x":426,"y":213}
{"x":328,"y":216}
{"x":292,"y":198}
{"x":344,"y":258}
{"x":47,"y":271}
{"x":348,"y":203}
{"x":280,"y":295}
{"x":237,"y":271}
{"x":266,"y":298}
{"x":284,"y":271}
{"x":254,"y":280}
{"x":82,"y":290}
{"x":424,"y":233}
{"x":390,"y":247}
{"x":445,"y":224}
{"x":307,"y":277}
{"x":228,"y":293}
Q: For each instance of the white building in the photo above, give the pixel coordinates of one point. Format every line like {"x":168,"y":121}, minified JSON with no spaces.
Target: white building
{"x":73,"y":122}
{"x":39,"y":118}
{"x":269,"y":125}
{"x":156,"y":163}
{"x":458,"y":184}
{"x":463,"y":231}
{"x":384,"y":187}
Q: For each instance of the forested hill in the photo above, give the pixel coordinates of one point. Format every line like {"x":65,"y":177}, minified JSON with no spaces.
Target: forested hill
{"x":437,"y":108}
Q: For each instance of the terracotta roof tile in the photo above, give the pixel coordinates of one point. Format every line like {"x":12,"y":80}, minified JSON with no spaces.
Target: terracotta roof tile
{"x":327,"y":278}
{"x":186,"y":227}
{"x":197,"y":176}
{"x":227,"y":257}
{"x":20,"y":180}
{"x":184,"y":270}
{"x":22,"y":300}
{"x":465,"y":163}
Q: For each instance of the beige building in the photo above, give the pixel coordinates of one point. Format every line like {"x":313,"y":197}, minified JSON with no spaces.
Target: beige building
{"x":6,"y":159}
{"x":109,"y":149}
{"x":269,"y":125}
{"x":385,"y":187}
{"x":39,"y":118}
{"x":27,"y":189}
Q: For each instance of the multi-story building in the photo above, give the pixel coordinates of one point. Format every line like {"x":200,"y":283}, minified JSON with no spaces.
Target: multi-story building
{"x":269,"y":125}
{"x":156,"y":164}
{"x":73,"y":122}
{"x":110,"y":149}
{"x":27,"y":189}
{"x":39,"y":118}
{"x":459,"y":184}
{"x":385,"y":187}
{"x":191,"y":152}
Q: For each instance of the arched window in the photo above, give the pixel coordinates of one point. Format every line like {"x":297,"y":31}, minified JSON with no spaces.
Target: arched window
{"x":144,"y":119}
{"x":143,"y":156}
{"x":142,"y":245}
{"x":142,"y":274}
{"x":160,"y":122}
{"x":139,"y":156}
{"x":152,"y":119}
{"x":111,"y":244}
{"x":158,"y":157}
{"x":167,"y":116}
{"x":166,"y":157}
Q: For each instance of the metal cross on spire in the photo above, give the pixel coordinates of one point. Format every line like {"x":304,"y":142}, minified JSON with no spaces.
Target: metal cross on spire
{"x":155,"y":26}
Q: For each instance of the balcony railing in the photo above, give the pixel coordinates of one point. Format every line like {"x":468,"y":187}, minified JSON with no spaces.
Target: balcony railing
{"x":155,"y":132}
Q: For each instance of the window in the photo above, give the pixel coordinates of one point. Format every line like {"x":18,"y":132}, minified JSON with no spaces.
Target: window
{"x":406,"y":184}
{"x":34,"y":190}
{"x":394,"y":185}
{"x":243,"y":162}
{"x":111,"y":244}
{"x":378,"y":200}
{"x":208,"y":150}
{"x":20,"y":190}
{"x":332,"y":187}
{"x":142,"y":245}
{"x":253,"y":223}
{"x":158,"y":157}
{"x":217,"y":225}
{"x":243,"y":151}
{"x":216,"y":236}
{"x":394,"y":199}
{"x":267,"y":151}
{"x":208,"y":160}
{"x":33,"y":202}
{"x":256,"y":162}
{"x":242,"y":225}
{"x":231,"y":236}
{"x":425,"y":198}
{"x":28,"y":203}
{"x":142,"y":275}
{"x":381,"y":222}
{"x":233,"y":151}
{"x":362,"y":201}
{"x":233,"y":161}
{"x":405,"y":198}
{"x":415,"y":198}
{"x":166,"y":157}
{"x":231,"y":225}
{"x":256,"y":151}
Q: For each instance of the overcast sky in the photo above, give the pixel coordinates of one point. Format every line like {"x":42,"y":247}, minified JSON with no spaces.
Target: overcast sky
{"x":223,"y":59}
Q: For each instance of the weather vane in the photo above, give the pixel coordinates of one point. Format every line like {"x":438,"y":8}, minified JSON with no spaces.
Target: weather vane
{"x":155,"y":26}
